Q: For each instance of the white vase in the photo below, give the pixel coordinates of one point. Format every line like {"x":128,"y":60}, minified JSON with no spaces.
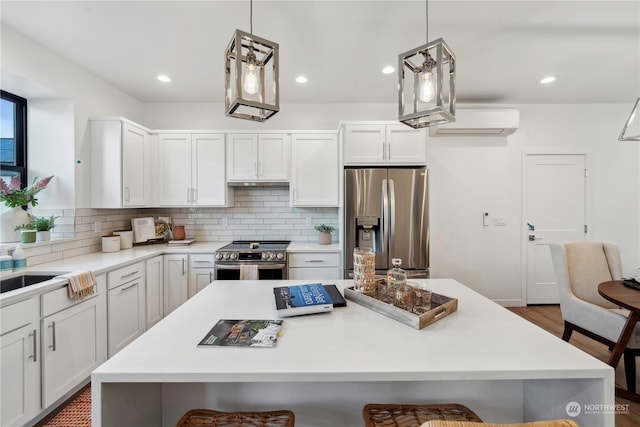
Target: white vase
{"x":43,"y":236}
{"x":10,"y":219}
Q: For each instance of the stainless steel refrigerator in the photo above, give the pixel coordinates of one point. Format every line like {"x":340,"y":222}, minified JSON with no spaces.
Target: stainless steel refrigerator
{"x":387,"y":210}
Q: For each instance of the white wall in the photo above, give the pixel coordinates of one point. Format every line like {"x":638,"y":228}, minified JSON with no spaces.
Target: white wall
{"x":32,"y":71}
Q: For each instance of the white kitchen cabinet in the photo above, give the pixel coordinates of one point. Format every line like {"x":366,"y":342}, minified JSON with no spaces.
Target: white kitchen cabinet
{"x":154,"y":290}
{"x":191,"y":170}
{"x":120,"y":164}
{"x":315,"y":170}
{"x":314,"y":265}
{"x":20,"y":367}
{"x":383,"y":144}
{"x":74,"y":339}
{"x":201,"y":272}
{"x":258,"y":157}
{"x":176,"y":281}
{"x":125,"y":306}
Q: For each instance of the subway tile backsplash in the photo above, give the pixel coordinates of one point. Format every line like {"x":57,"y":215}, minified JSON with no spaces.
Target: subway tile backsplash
{"x":259,"y":213}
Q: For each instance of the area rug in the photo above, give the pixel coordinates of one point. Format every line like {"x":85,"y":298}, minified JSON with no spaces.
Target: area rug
{"x":76,"y":413}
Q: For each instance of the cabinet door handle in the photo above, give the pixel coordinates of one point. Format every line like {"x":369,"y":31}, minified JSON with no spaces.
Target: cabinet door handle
{"x":210,"y":277}
{"x":35,"y":346}
{"x":194,"y":194}
{"x":183,"y":262}
{"x":53,"y":336}
{"x":129,"y":275}
{"x":133,"y":285}
{"x":127,"y":197}
{"x":188,"y":195}
{"x":255,"y":168}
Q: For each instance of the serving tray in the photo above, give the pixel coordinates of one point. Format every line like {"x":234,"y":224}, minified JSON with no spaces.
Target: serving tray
{"x":441,"y":306}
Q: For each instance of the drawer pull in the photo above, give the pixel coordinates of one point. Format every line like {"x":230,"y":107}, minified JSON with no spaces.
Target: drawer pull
{"x":313,"y":260}
{"x":201,"y":261}
{"x":129,"y":275}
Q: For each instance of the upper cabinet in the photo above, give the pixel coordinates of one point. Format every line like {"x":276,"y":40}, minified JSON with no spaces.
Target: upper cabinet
{"x":258,"y":157}
{"x":315,"y":170}
{"x":191,"y":170}
{"x":120,"y":164}
{"x":384,"y":144}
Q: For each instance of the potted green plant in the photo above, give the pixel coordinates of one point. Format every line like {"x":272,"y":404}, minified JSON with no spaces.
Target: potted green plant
{"x":27,"y":232}
{"x":324,"y":238}
{"x":43,"y":226}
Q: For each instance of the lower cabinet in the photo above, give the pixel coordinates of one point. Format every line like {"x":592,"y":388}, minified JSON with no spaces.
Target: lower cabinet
{"x":74,"y":340}
{"x":20,"y":366}
{"x":154,"y":298}
{"x":201,"y":272}
{"x":314,"y":265}
{"x":176,"y":281}
{"x":126,"y":306}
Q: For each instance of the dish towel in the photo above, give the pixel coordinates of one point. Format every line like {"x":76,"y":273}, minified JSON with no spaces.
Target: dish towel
{"x":81,"y":284}
{"x":248,"y":272}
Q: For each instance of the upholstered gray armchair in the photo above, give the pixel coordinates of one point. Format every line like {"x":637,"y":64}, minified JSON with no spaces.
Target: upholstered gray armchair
{"x":579,"y":268}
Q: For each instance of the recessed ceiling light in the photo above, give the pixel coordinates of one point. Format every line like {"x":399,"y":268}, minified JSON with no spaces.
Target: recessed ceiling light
{"x":164,"y":79}
{"x":301,"y":79}
{"x":388,"y":69}
{"x":548,"y":79}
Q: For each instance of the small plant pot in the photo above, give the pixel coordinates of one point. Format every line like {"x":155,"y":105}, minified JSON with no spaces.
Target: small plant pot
{"x":324,"y":238}
{"x":43,"y":236}
{"x":28,"y":236}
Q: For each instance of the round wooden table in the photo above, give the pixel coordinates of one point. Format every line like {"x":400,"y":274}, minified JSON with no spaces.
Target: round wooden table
{"x":629,"y":298}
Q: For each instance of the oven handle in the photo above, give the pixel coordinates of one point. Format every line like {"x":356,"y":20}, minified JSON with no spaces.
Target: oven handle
{"x":260,"y":266}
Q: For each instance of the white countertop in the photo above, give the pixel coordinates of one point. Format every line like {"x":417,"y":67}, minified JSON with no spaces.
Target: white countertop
{"x":480,"y":341}
{"x":100,"y":262}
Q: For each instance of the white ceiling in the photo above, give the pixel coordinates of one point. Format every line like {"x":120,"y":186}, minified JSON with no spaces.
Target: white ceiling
{"x":502,"y":48}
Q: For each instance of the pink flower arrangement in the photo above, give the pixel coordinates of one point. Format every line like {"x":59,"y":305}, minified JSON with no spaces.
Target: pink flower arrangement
{"x":12,"y":195}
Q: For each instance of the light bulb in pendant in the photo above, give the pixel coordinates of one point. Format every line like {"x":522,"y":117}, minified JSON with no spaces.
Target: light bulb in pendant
{"x":427,"y":88}
{"x":250,"y":79}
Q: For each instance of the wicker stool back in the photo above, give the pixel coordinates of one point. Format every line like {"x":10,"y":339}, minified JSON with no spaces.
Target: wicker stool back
{"x":211,"y":418}
{"x":391,"y":415}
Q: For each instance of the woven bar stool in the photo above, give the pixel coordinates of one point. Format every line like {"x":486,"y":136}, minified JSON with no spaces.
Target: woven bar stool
{"x":391,"y":415}
{"x":210,"y":418}
{"x":550,"y":423}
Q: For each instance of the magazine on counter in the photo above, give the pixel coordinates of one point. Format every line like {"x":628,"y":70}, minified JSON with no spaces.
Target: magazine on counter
{"x":296,"y":300}
{"x":243,"y":333}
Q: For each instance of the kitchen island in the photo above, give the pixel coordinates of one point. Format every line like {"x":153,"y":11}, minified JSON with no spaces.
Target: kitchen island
{"x":326,"y":367}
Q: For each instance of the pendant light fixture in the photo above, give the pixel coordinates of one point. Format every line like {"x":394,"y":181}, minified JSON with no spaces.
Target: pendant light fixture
{"x":426,"y":83}
{"x":631,"y":128}
{"x":251,"y":76}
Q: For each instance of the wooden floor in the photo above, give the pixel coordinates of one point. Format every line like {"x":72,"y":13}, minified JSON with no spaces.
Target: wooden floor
{"x":548,"y":317}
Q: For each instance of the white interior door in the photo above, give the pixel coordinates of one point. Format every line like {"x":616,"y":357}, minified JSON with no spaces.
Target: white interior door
{"x":554,"y":205}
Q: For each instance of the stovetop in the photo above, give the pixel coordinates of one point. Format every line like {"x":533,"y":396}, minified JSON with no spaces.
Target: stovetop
{"x":252,"y":245}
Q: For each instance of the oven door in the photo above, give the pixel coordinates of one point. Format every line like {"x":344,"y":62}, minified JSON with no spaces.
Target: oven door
{"x":266,"y":271}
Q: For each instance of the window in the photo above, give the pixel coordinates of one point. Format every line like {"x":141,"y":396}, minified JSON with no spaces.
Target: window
{"x":13,"y":137}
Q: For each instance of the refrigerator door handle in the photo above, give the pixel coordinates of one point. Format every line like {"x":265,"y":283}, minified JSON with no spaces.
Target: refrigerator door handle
{"x":385,"y":219}
{"x":392,"y":211}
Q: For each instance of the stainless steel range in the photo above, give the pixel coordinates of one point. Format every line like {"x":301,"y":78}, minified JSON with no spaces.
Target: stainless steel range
{"x":245,"y":260}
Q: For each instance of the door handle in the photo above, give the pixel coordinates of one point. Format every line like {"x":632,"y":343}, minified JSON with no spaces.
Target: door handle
{"x":53,"y":336}
{"x":35,"y":346}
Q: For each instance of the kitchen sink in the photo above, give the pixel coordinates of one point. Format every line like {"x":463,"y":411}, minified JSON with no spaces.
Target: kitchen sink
{"x":24,"y":280}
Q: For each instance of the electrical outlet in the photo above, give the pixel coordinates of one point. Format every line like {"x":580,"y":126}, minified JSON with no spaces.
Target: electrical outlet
{"x":500,"y":220}
{"x":97,"y":226}
{"x":225,"y":222}
{"x":308,"y":221}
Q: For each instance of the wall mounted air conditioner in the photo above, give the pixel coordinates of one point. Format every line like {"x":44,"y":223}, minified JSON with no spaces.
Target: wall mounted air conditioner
{"x":475,"y":122}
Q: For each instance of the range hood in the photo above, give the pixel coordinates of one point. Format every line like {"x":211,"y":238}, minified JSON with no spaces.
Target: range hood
{"x":479,"y":122}
{"x":284,"y":184}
